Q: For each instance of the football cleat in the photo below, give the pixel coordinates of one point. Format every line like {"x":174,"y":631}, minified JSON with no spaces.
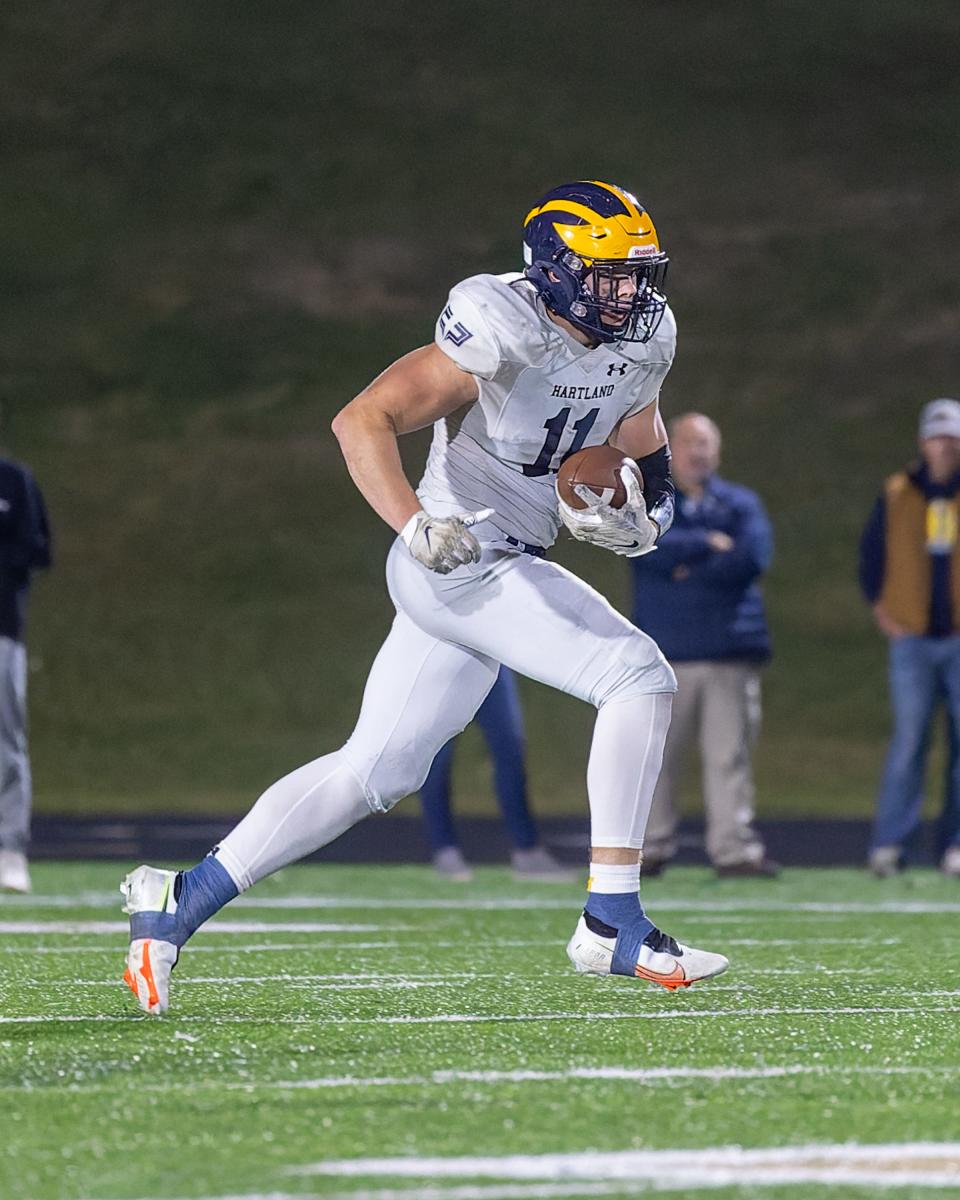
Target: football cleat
{"x":661,"y":959}
{"x":151,"y":905}
{"x":149,"y":963}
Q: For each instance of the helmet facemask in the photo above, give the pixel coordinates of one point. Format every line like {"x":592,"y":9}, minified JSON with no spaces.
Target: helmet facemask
{"x":627,"y":292}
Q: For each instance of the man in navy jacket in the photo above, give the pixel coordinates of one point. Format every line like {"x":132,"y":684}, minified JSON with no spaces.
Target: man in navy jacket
{"x":699,"y":597}
{"x":24,"y":548}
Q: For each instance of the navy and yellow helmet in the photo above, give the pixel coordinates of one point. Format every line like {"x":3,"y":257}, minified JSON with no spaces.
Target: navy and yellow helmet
{"x":592,"y":252}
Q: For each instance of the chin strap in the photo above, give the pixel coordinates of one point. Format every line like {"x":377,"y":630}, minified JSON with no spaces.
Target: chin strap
{"x":658,"y":488}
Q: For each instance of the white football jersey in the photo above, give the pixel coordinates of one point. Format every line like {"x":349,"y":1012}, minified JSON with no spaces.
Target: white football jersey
{"x":542,"y":397}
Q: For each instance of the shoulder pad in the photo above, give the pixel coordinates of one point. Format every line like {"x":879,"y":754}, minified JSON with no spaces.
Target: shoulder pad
{"x":661,"y":347}
{"x":666,"y":335}
{"x":490,"y":320}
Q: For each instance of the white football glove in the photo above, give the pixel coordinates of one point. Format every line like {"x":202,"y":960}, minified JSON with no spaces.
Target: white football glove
{"x":627,"y":530}
{"x":444,"y":543}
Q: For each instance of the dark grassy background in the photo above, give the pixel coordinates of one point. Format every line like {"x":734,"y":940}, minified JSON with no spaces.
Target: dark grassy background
{"x":218,"y":221}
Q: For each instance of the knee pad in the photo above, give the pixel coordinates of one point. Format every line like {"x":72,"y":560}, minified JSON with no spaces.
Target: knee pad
{"x":636,"y":668}
{"x":387,"y":777}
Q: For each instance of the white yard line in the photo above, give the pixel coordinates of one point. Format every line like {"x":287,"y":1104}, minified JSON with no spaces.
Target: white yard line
{"x":738,"y":1014}
{"x":219,"y":925}
{"x":363,"y":981}
{"x":497,"y":1191}
{"x":367,"y":978}
{"x":296,"y":981}
{"x":665,"y":1014}
{"x":205,"y":947}
{"x":615,"y":1074}
{"x":216,"y":926}
{"x":925,"y":1164}
{"x":512,"y":903}
{"x":201,"y":947}
{"x":648,"y":1076}
{"x":812,"y":941}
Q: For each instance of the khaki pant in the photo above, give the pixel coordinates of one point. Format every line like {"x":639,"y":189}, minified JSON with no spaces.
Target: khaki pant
{"x":719,"y":704}
{"x":15,"y":789}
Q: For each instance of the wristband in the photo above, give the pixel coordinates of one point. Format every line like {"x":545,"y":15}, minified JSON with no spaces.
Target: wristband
{"x":408,"y":532}
{"x":658,"y":487}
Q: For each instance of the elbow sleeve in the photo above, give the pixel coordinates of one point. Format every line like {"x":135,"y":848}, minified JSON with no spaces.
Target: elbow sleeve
{"x":658,"y":489}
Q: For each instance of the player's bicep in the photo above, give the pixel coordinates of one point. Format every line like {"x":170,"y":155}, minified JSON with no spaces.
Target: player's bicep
{"x":641,"y":434}
{"x":417,"y":390}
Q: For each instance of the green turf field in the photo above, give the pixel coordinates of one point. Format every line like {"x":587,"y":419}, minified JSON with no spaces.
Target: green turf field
{"x":218,"y":221}
{"x":345,"y":1014}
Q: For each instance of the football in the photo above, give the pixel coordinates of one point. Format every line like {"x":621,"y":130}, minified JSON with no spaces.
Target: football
{"x":598,"y":468}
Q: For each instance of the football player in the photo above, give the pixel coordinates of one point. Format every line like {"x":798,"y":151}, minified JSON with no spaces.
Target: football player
{"x":525,"y":369}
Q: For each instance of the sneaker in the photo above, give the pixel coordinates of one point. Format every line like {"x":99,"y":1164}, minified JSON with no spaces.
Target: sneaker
{"x":886,"y":861}
{"x":14,"y":873}
{"x":950,"y":863}
{"x":538,"y":865}
{"x":749,"y":868}
{"x":662,"y":960}
{"x":151,"y":906}
{"x":450,"y":863}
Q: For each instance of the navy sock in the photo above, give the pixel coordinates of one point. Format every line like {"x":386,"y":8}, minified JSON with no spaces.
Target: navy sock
{"x":198,"y":894}
{"x":201,"y":892}
{"x":623,"y":912}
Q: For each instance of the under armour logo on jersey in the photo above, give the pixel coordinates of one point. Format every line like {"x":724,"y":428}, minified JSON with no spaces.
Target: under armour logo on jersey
{"x":457,"y":332}
{"x":621,"y":367}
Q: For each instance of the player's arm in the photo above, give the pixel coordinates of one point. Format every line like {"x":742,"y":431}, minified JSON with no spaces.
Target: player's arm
{"x":634,"y":528}
{"x":643,"y":437}
{"x":415,"y":391}
{"x":411,"y":394}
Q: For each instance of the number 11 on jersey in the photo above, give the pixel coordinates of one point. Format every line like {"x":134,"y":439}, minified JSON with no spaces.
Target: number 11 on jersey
{"x":555,"y":427}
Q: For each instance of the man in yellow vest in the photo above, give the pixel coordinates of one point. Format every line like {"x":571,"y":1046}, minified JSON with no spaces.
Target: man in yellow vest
{"x":910,"y":575}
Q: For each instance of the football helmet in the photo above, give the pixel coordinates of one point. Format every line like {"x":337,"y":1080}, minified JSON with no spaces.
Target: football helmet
{"x":592,"y":252}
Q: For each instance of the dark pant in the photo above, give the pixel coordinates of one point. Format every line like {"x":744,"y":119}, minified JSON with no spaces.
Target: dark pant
{"x":501,"y":720}
{"x":924,"y":672}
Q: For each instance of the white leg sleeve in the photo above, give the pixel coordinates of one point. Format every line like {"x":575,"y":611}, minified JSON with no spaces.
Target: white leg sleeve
{"x":419,"y":694}
{"x":625,"y":759}
{"x":295,"y":816}
{"x":544,"y":622}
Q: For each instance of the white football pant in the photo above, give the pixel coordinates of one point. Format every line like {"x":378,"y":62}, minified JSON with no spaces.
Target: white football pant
{"x":433,"y":672}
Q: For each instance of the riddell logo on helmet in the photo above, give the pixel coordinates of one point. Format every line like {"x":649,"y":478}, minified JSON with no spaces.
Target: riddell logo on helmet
{"x":642,"y":251}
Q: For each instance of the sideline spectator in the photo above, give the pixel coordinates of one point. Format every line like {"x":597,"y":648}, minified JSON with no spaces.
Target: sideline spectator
{"x":699,"y":597}
{"x":24,"y":548}
{"x":501,"y":719}
{"x":910,"y":575}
